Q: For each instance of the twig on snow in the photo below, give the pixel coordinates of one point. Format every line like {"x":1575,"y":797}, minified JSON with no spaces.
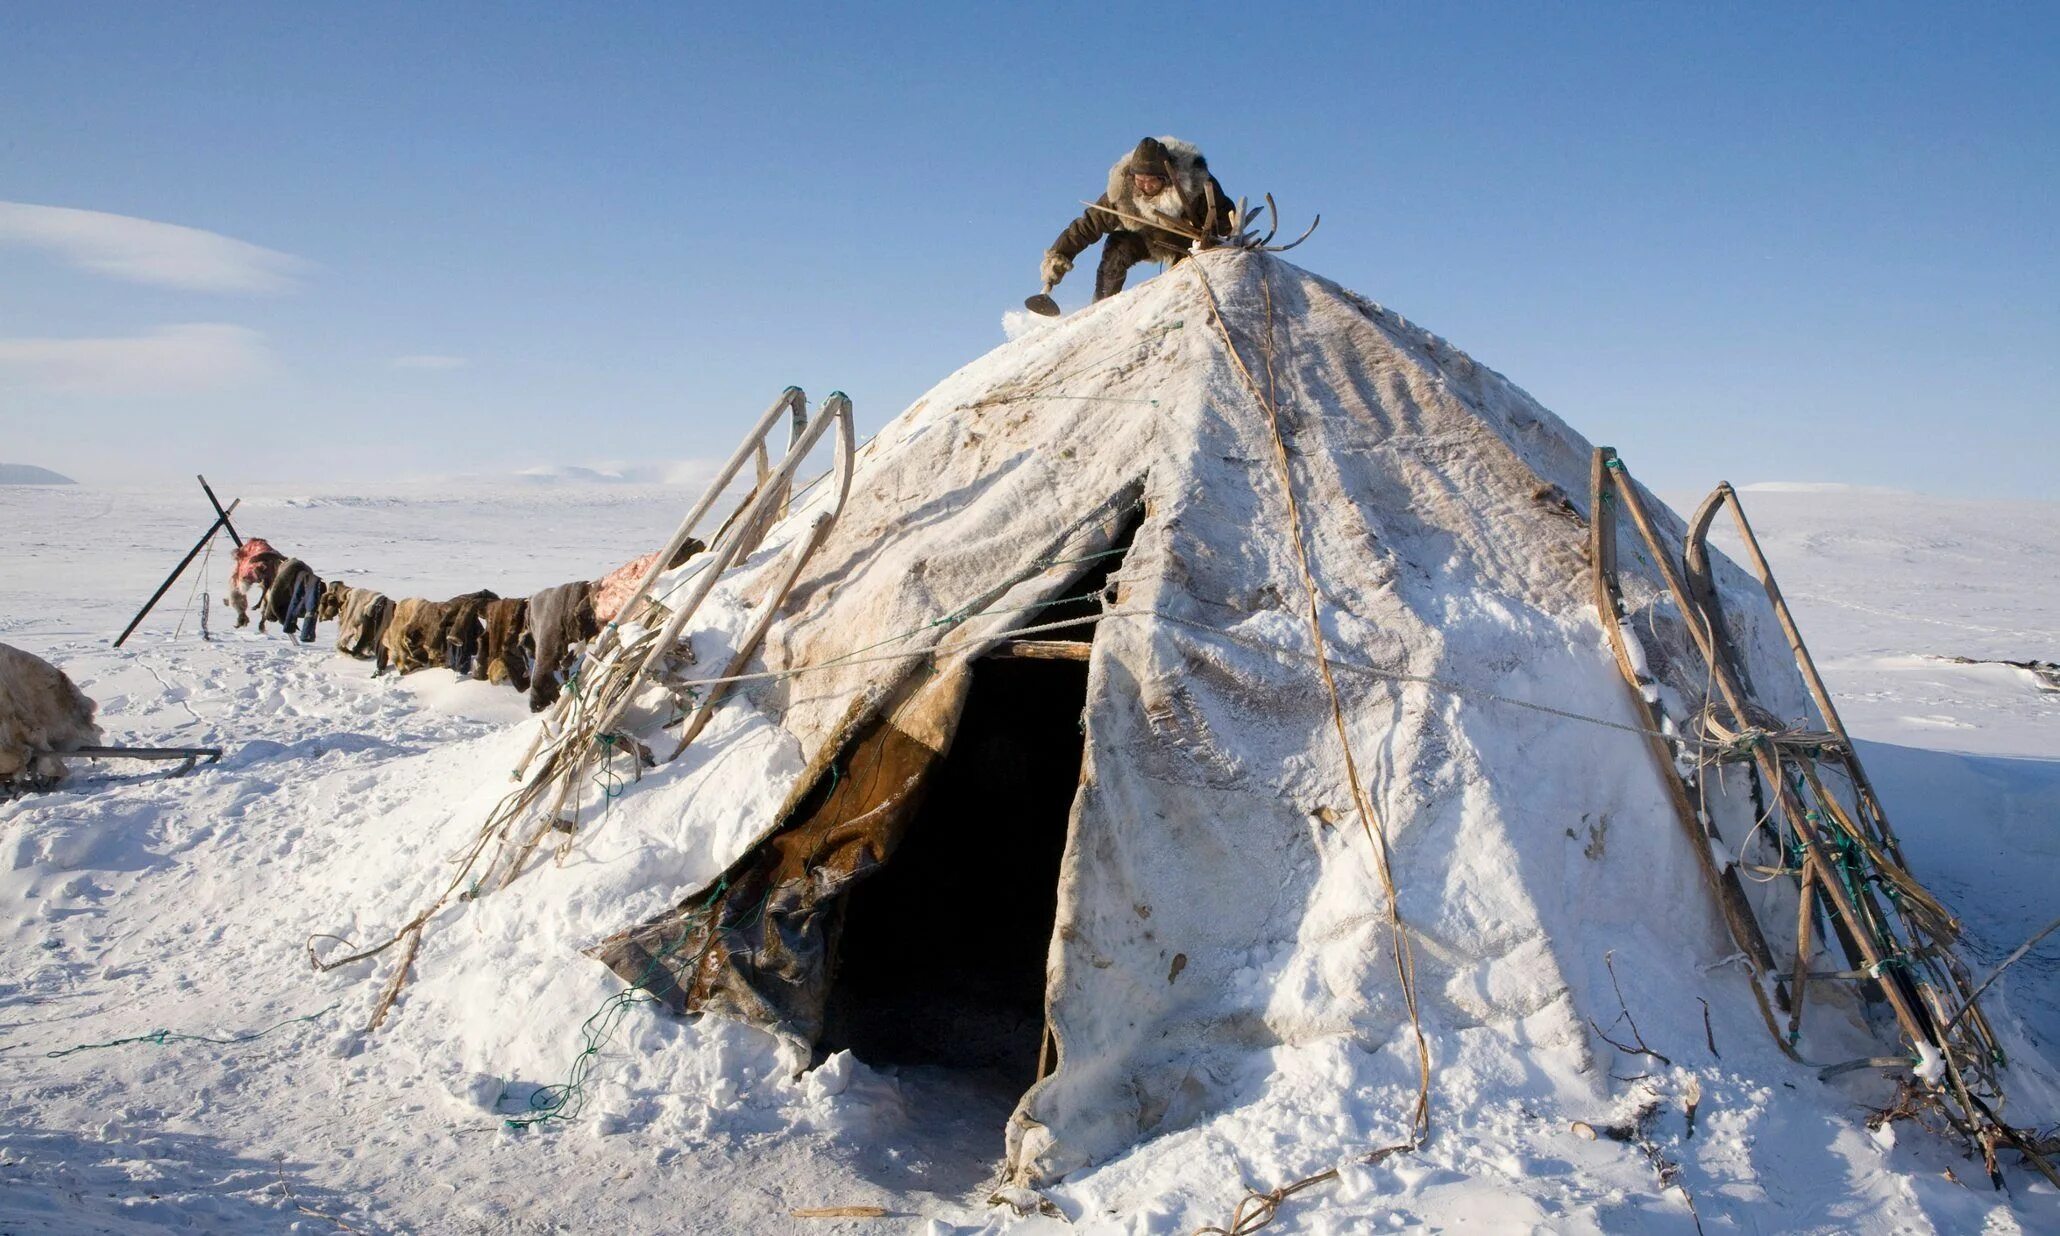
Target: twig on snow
{"x":279,"y":1161}
{"x":1709,"y":1035}
{"x":1637,"y":1045}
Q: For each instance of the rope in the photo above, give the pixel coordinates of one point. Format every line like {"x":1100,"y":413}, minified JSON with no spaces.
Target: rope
{"x":1432,"y":680}
{"x":1258,"y":1207}
{"x":199,"y":579}
{"x":1258,"y":1210}
{"x":1083,"y":398}
{"x":1336,"y":663}
{"x":161,"y":1038}
{"x":1740,"y":741}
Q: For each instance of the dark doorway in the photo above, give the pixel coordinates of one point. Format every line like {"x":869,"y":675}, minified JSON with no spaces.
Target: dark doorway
{"x":941,"y":957}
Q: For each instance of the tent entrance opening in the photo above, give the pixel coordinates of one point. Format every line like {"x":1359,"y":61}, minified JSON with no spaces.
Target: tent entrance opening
{"x":941,"y":956}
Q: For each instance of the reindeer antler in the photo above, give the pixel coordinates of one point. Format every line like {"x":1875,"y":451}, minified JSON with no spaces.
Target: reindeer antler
{"x":1244,"y":236}
{"x":1247,"y":233}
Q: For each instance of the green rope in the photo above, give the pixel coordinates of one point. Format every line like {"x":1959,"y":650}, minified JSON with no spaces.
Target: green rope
{"x":161,"y":1038}
{"x":1106,"y":553}
{"x":1847,"y":858}
{"x":565,"y":1100}
{"x":610,"y":781}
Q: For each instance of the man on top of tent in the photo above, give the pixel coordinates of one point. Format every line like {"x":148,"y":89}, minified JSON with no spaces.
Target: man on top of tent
{"x":1163,"y":178}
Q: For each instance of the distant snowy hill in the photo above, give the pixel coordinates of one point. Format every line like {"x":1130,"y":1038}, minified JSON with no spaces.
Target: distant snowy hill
{"x":643,"y":472}
{"x":560,"y":474}
{"x":30,"y":474}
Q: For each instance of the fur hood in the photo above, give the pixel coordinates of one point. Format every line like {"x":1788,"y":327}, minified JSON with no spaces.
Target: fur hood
{"x":1184,"y":198}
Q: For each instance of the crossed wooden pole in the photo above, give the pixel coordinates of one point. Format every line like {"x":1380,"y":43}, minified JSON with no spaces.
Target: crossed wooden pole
{"x":221,"y":522}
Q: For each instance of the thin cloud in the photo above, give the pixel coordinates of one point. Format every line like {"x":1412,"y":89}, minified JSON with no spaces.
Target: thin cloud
{"x":430,"y":362}
{"x":146,"y":251}
{"x":191,"y":358}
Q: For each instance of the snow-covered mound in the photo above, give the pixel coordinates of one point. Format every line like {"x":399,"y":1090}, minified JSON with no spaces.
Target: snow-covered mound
{"x":1248,"y":1030}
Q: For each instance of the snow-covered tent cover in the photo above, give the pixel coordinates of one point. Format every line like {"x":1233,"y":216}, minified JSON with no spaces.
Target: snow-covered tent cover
{"x":1356,"y":766}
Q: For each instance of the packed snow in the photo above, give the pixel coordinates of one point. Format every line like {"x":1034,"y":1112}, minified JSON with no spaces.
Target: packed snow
{"x":132,"y":904}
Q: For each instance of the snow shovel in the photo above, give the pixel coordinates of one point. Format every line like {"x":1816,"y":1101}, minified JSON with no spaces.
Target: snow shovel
{"x":1042,"y":303}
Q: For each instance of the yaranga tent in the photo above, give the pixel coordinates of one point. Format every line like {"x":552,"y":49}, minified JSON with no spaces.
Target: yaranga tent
{"x":1215,"y":678}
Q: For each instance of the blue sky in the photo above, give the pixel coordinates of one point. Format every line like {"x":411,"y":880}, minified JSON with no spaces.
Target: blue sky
{"x":1754,"y":242}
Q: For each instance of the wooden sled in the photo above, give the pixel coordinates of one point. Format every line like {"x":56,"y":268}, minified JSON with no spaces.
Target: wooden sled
{"x":1843,"y":854}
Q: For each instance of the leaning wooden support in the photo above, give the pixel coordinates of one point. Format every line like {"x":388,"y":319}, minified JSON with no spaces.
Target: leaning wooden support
{"x":603,"y":685}
{"x":606,"y":686}
{"x":609,"y":637}
{"x":1900,"y":970}
{"x":1871,"y":827}
{"x":791,"y":400}
{"x":1696,"y":558}
{"x":221,"y":520}
{"x":1763,"y":755}
{"x":1805,"y":923}
{"x":839,"y":407}
{"x":1723,"y":882}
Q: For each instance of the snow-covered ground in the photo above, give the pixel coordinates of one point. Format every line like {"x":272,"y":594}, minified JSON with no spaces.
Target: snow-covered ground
{"x":131,"y":904}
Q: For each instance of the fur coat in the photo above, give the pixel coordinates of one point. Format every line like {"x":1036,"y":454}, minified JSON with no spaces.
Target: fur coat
{"x":503,"y":643}
{"x":409,"y":642}
{"x":559,"y":619}
{"x":462,"y":628}
{"x":292,"y":598}
{"x":1186,"y":198}
{"x":255,"y":566}
{"x":362,"y":616}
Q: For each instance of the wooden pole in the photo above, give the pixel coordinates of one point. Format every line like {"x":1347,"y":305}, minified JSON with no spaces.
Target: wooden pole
{"x":219,"y":511}
{"x":220,"y":519}
{"x":1805,"y":919}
